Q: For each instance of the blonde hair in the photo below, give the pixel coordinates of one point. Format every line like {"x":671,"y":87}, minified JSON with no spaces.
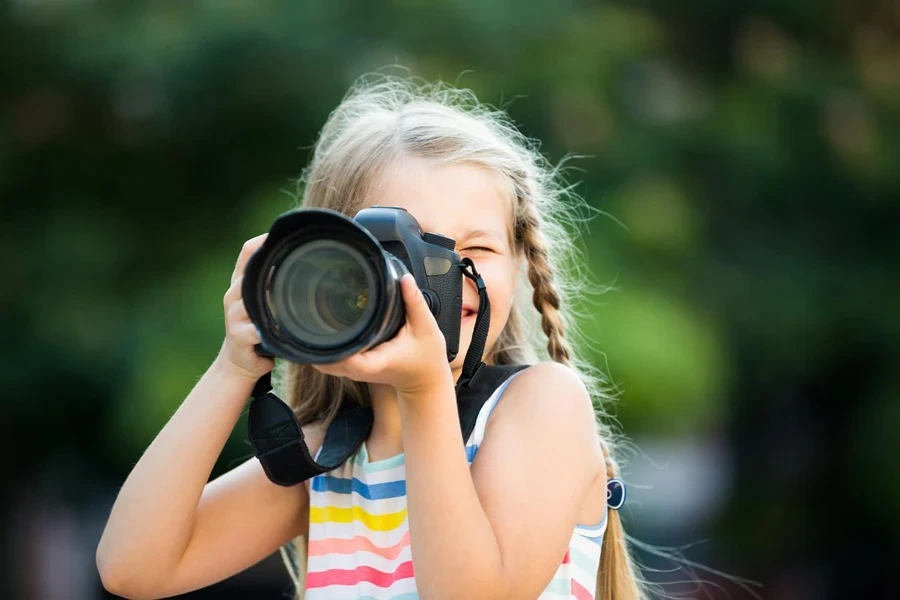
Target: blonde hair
{"x":383,"y":118}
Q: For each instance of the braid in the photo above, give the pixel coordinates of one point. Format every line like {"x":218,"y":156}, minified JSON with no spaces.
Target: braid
{"x":612,"y":468}
{"x":546,"y":297}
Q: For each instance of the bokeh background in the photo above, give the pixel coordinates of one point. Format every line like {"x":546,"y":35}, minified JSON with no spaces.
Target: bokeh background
{"x":743,"y":157}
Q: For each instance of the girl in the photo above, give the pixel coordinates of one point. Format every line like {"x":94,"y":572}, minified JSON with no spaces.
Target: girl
{"x":519,"y":510}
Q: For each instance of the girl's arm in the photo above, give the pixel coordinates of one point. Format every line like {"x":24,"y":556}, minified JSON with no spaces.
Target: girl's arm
{"x":170,"y":531}
{"x":501,"y":529}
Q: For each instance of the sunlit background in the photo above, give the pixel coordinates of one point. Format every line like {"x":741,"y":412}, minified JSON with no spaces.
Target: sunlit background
{"x":743,"y":157}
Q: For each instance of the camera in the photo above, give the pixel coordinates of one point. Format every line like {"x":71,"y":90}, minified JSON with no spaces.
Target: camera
{"x":324,"y":286}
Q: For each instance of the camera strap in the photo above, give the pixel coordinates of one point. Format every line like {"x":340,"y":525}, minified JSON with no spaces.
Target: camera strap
{"x":473,"y":362}
{"x":277,"y":439}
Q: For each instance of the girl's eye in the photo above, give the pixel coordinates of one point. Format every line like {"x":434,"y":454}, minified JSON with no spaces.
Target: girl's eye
{"x":473,"y":248}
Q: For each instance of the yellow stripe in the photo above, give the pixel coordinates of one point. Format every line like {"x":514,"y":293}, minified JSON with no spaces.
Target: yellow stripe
{"x":331,"y":514}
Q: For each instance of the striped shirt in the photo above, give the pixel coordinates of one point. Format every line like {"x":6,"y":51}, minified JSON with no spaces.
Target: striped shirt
{"x":359,"y":533}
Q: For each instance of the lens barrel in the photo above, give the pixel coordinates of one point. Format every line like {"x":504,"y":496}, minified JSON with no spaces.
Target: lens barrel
{"x":322,"y":288}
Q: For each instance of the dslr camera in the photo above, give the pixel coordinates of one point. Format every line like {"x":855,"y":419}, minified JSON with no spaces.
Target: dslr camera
{"x":324,"y":286}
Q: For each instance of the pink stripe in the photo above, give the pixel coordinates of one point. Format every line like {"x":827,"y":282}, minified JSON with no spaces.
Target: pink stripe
{"x":579,"y":592}
{"x":566,"y":558}
{"x":357,"y":544}
{"x":359,"y":575}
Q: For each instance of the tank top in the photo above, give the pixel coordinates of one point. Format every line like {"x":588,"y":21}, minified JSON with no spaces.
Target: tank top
{"x":359,"y":533}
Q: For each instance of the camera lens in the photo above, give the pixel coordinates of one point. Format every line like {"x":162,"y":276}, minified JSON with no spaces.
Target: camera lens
{"x":324,"y":286}
{"x":322,"y":293}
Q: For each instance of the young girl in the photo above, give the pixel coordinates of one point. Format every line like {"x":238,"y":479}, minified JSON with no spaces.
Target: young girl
{"x":519,"y":510}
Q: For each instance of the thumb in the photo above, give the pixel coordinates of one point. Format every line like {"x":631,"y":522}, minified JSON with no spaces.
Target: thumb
{"x":417,"y":312}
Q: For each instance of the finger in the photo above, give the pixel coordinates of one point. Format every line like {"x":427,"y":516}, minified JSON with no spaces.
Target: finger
{"x":368,"y":364}
{"x":249,"y":247}
{"x":383,"y":353}
{"x":237,"y":312}
{"x":234,"y":291}
{"x":338,"y":367}
{"x":418,"y":314}
{"x":245,"y":334}
{"x":329,"y":369}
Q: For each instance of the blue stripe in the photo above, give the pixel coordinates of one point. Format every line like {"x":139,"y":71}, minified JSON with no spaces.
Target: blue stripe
{"x":597,"y":540}
{"x":376,"y":491}
{"x":596,"y":527}
{"x":586,"y":531}
{"x":409,"y":596}
{"x":470,"y":452}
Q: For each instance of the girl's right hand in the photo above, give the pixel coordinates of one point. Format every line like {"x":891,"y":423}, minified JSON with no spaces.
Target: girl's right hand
{"x":238,"y":353}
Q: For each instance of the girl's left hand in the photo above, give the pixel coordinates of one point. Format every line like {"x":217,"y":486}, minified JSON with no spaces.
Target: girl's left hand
{"x":413,"y":362}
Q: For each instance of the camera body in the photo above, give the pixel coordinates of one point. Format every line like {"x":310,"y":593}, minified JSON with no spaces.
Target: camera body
{"x":323,"y":286}
{"x":430,"y":257}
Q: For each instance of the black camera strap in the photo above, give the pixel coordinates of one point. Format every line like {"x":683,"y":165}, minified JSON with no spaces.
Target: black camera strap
{"x":473,"y":362}
{"x":277,"y":439}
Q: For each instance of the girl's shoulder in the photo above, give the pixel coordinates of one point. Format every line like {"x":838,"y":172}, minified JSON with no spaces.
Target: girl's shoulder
{"x":546,"y":387}
{"x":549,"y":402}
{"x":541,"y":462}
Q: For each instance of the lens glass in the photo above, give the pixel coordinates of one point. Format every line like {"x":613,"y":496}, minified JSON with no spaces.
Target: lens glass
{"x":322,"y":293}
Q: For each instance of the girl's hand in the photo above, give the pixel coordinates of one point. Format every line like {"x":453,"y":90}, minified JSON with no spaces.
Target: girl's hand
{"x":238,"y":353}
{"x":414,"y":361}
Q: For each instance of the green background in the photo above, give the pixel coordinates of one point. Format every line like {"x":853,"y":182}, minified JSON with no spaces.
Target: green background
{"x":743,"y":160}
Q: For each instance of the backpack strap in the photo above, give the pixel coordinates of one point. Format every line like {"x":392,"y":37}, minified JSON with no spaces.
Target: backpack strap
{"x":279,"y":445}
{"x":470,"y":398}
{"x":277,"y":439}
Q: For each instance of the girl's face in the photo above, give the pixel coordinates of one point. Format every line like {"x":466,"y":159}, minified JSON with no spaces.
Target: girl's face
{"x":470,"y":205}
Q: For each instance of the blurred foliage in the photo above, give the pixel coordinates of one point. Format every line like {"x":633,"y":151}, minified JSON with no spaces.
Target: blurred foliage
{"x":745,"y":152}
